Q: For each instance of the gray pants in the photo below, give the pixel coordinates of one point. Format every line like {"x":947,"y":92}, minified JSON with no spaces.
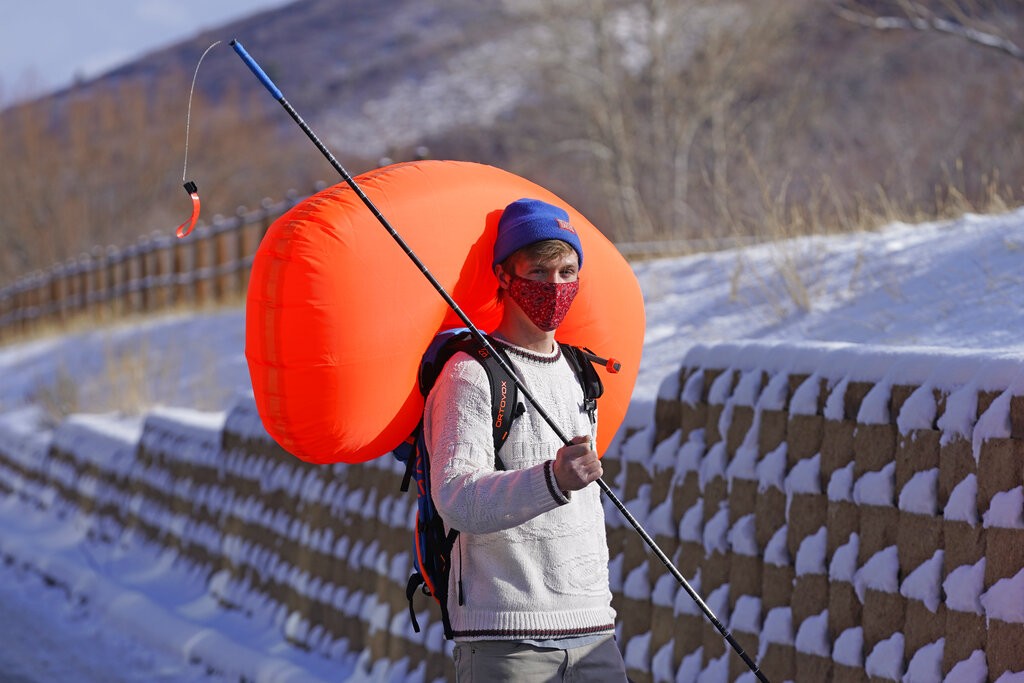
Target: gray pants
{"x":491,"y":661}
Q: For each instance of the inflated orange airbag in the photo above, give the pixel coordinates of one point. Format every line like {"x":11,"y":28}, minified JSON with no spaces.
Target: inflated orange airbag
{"x":338,"y":316}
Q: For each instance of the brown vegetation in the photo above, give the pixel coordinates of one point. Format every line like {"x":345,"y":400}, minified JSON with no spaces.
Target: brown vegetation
{"x":704,"y":118}
{"x":659,"y":120}
{"x":106,"y":169}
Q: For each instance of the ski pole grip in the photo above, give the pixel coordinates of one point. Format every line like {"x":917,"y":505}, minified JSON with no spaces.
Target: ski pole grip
{"x":255,"y":68}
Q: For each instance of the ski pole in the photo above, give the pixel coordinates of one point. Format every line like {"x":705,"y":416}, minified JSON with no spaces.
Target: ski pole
{"x":279,"y":96}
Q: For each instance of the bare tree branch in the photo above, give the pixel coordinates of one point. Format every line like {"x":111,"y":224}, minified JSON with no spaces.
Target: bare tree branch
{"x":920,"y":18}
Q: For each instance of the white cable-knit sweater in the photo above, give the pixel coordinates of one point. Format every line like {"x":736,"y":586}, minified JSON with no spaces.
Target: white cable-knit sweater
{"x":533,"y":564}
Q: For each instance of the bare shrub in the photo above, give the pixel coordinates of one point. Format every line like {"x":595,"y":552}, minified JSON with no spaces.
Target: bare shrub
{"x":106,"y":168}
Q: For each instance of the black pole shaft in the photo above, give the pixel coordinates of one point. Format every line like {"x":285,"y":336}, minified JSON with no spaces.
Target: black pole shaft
{"x":487,"y":345}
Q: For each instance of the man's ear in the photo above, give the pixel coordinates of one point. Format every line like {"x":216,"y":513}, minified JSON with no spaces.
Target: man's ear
{"x":503,"y":279}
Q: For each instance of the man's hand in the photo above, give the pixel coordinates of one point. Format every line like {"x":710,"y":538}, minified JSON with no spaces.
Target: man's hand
{"x":576,"y":465}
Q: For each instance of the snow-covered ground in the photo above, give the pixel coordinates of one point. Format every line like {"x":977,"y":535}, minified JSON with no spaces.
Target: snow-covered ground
{"x":951,"y":285}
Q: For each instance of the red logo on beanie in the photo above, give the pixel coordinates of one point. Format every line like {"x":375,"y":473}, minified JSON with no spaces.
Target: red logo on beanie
{"x":565,"y":225}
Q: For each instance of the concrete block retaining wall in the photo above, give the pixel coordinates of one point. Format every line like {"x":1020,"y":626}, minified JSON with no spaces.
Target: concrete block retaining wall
{"x":849,"y":514}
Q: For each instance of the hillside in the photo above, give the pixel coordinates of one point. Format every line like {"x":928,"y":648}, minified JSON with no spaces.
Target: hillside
{"x":657,"y":120}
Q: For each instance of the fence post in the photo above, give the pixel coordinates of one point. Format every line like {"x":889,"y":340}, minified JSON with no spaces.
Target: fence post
{"x":70,"y":278}
{"x":110,"y":297}
{"x":201,"y":262}
{"x":143,"y":250}
{"x":54,"y":313}
{"x":180,"y":268}
{"x":27,"y":284}
{"x":240,"y":267}
{"x":151,"y":273}
{"x":6,"y":308}
{"x":97,"y":272}
{"x":18,"y":307}
{"x":160,"y":283}
{"x":85,"y":266}
{"x":129,"y":279}
{"x":221,"y":284}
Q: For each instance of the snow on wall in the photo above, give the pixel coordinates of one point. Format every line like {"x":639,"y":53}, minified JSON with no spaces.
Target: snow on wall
{"x":869,"y":501}
{"x":321,"y":552}
{"x":844,"y":511}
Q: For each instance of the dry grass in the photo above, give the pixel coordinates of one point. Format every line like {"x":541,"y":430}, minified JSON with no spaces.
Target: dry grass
{"x":136,"y":373}
{"x":788,"y":228}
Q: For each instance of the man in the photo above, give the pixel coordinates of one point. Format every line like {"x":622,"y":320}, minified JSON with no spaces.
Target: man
{"x":528,"y":594}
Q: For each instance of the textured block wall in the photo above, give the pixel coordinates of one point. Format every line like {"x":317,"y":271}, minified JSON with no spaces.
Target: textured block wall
{"x":321,"y":552}
{"x":849,"y":516}
{"x":844,"y":524}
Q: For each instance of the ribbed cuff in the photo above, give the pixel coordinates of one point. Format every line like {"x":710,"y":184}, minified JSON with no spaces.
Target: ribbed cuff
{"x":561,"y":497}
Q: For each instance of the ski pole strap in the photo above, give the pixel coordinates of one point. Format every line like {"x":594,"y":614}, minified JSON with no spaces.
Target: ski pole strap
{"x":193,"y":193}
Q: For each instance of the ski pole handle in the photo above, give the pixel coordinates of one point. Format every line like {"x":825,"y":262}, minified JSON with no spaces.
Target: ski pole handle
{"x":256,"y":69}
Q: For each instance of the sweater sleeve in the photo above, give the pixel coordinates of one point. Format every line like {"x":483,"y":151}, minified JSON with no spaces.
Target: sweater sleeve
{"x":470,"y":495}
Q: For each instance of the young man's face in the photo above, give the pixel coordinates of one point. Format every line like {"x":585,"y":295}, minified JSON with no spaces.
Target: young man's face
{"x":541,"y":285}
{"x":562,"y":268}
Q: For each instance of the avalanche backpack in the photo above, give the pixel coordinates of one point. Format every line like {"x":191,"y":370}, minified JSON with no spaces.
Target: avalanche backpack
{"x":433,"y":546}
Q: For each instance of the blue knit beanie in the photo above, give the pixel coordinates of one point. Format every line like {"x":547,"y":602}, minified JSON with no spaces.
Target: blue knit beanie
{"x":526,"y":221}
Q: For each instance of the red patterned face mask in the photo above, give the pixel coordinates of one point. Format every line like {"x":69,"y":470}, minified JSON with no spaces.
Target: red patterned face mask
{"x":544,"y":303}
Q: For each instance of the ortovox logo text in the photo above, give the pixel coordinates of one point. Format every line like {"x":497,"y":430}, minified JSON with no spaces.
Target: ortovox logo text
{"x":501,"y":404}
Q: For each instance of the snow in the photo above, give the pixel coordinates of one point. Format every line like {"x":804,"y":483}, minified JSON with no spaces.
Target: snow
{"x":771,"y":470}
{"x":926,"y":664}
{"x":777,"y":551}
{"x":804,"y":477}
{"x":918,"y":411}
{"x":716,"y":531}
{"x":844,"y":561}
{"x":637,"y":586}
{"x":963,"y":587}
{"x":962,"y":505}
{"x":1006,"y":510}
{"x":805,"y":398}
{"x":746,"y":616}
{"x":812,"y":636}
{"x":810,"y":557}
{"x":637,"y":651}
{"x":925,"y":581}
{"x":1005,"y":599}
{"x":921,"y":493}
{"x":974,"y":669}
{"x":692,"y":524}
{"x":934,"y":305}
{"x":741,"y":536}
{"x":777,"y":628}
{"x":876,"y":488}
{"x":886,"y":659}
{"x":879,"y":573}
{"x":840,"y":485}
{"x":848,"y":648}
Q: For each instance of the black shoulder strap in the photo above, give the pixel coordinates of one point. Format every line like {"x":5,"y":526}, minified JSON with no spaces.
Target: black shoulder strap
{"x":505,"y":406}
{"x":581,"y":364}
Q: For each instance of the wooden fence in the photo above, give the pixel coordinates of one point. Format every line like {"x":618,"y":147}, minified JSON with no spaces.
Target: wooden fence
{"x":209,"y":266}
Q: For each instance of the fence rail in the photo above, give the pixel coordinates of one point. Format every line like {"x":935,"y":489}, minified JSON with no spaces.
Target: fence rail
{"x":211,"y":265}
